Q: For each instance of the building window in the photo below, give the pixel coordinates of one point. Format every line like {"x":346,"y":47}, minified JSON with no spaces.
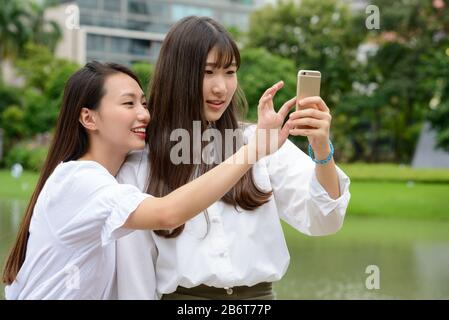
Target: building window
{"x":89,"y":4}
{"x":120,"y":45}
{"x":160,"y":10}
{"x":96,"y":42}
{"x":244,"y":2}
{"x":137,"y":7}
{"x":179,"y":11}
{"x":140,"y":47}
{"x":112,"y":5}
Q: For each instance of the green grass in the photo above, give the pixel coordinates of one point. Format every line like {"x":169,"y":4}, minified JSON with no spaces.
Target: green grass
{"x":400,"y":200}
{"x":394,"y":172}
{"x":20,"y":188}
{"x":376,"y":230}
{"x":384,"y":190}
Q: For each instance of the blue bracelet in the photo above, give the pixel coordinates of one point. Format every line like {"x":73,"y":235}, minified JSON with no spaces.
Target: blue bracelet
{"x":324,"y":161}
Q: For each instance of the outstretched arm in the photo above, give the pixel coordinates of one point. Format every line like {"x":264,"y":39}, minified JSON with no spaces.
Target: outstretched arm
{"x":184,"y":203}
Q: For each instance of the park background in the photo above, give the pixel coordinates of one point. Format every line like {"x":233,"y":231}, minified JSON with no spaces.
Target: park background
{"x":385,"y":77}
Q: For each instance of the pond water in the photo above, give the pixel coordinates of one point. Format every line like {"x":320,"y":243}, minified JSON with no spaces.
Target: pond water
{"x":370,"y":258}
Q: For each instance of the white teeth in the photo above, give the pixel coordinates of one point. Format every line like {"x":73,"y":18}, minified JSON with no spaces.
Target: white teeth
{"x":142,"y":130}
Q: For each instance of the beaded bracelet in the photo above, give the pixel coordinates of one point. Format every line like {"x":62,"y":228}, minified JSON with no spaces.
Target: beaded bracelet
{"x":324,"y":161}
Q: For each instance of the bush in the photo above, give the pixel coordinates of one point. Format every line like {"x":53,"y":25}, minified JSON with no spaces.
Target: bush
{"x":29,"y":156}
{"x":13,"y":118}
{"x":144,"y":72}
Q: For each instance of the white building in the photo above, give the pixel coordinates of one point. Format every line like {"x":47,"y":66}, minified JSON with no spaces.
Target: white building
{"x":127,"y":31}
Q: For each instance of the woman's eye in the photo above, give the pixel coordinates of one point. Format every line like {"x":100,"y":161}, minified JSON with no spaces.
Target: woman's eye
{"x":230,"y":72}
{"x":130,"y":103}
{"x":209,"y":72}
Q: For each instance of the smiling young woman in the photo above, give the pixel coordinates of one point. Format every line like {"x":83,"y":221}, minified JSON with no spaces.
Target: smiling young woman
{"x":236,"y":249}
{"x":65,"y":248}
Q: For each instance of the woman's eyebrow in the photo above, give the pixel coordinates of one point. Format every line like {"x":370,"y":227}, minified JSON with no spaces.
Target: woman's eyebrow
{"x":128,"y":94}
{"x":132,"y":95}
{"x":213,"y":64}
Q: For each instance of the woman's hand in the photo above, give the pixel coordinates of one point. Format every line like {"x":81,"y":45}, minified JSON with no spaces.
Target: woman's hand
{"x":315,"y":115}
{"x":270,"y":134}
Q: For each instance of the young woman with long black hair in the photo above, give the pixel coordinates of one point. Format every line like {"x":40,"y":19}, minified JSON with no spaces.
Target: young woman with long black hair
{"x":65,"y":248}
{"x":236,"y":249}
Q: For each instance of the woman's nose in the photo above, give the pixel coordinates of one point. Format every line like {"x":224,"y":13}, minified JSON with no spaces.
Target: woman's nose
{"x":144,"y":114}
{"x":219,"y":87}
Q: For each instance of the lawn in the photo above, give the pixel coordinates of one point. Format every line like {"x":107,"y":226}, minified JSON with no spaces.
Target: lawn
{"x":384,"y":190}
{"x":393,"y":172}
{"x":21,"y":188}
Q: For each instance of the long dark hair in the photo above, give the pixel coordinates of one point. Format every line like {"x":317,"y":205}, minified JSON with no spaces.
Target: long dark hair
{"x":176,"y":100}
{"x":85,"y":88}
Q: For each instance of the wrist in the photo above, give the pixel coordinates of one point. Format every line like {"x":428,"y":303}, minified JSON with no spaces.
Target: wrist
{"x":323,"y":155}
{"x":322,"y":152}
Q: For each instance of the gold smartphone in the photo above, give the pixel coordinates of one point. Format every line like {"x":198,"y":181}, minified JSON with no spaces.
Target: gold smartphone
{"x":309,"y":82}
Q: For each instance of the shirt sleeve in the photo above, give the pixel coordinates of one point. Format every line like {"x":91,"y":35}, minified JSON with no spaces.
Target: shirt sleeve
{"x":94,"y":207}
{"x":300,"y":199}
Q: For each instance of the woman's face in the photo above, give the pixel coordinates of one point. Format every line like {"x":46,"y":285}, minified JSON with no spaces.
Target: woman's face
{"x":219,"y":85}
{"x":122,"y":115}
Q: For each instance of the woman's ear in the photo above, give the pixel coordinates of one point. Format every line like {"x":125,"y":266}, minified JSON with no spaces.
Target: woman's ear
{"x":87,"y":119}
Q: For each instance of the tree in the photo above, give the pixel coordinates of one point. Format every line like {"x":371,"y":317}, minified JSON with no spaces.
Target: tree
{"x":411,"y":32}
{"x":316,"y":35}
{"x":261,"y":69}
{"x":439,"y":104}
{"x":22,"y":22}
{"x":45,"y":77}
{"x":14,"y":30}
{"x":45,"y":32}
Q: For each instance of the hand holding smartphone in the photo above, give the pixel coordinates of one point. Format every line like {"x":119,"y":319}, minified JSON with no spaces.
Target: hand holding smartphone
{"x":309,"y":82}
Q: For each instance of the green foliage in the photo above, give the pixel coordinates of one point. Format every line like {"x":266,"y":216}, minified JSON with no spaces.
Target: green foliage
{"x":438,"y":63}
{"x":36,"y":65}
{"x":30,"y":156}
{"x":45,"y":77}
{"x":316,"y":35}
{"x":144,"y":72}
{"x":23,"y":21}
{"x":35,"y":106}
{"x":8,"y":96}
{"x":259,"y":70}
{"x":13,"y":122}
{"x":378,"y":103}
{"x":14,"y":31}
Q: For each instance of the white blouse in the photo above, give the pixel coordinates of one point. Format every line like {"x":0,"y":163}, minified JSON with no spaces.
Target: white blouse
{"x":241,"y":247}
{"x":71,"y":248}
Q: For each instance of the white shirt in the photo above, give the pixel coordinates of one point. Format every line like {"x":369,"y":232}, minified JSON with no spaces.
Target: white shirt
{"x":241,"y":248}
{"x":71,"y":247}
